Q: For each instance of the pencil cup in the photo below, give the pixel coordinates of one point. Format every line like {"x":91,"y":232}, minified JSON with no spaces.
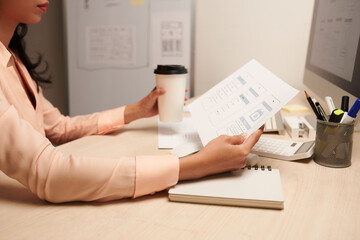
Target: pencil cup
{"x":333,"y":144}
{"x":173,"y":79}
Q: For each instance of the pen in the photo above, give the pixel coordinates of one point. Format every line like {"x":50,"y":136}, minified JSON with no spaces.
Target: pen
{"x":345,"y":103}
{"x":351,"y":115}
{"x":321,"y":111}
{"x":330,"y":103}
{"x":318,"y":116}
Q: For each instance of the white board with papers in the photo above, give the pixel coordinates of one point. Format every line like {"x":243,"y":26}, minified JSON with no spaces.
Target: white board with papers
{"x":241,"y":103}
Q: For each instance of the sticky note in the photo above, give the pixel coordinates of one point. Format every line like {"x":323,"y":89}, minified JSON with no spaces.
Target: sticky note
{"x":295,"y":108}
{"x":137,"y":2}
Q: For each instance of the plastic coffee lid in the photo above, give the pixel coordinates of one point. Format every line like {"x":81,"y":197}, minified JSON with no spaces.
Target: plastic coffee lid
{"x":170,"y":69}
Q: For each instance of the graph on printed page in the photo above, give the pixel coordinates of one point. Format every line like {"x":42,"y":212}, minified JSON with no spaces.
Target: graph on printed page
{"x":241,"y":103}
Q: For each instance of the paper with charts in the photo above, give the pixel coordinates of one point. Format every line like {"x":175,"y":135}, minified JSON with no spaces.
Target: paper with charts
{"x":241,"y":103}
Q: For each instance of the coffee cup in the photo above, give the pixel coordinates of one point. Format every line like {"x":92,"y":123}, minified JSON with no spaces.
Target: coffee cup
{"x":172,"y":78}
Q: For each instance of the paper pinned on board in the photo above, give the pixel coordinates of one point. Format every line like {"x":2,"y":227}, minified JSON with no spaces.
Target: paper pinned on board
{"x":241,"y":103}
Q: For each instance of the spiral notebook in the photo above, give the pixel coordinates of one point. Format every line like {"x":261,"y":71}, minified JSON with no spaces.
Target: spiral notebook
{"x":247,"y":187}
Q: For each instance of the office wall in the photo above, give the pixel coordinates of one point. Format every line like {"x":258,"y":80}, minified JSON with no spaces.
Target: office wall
{"x":142,"y":30}
{"x":47,"y":38}
{"x":229,"y":33}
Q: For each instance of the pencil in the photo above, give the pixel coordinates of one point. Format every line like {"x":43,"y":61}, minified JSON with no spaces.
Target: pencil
{"x":318,"y":116}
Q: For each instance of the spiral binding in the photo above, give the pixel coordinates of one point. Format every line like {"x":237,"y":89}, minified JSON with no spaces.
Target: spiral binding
{"x":256,"y":167}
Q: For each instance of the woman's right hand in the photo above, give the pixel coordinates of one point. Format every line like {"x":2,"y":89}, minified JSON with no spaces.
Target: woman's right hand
{"x":224,"y":153}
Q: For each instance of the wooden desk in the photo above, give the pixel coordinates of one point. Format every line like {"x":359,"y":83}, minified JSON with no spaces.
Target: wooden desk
{"x":320,"y":203}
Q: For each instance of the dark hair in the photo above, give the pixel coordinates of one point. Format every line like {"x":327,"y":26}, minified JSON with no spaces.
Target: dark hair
{"x":17,"y":46}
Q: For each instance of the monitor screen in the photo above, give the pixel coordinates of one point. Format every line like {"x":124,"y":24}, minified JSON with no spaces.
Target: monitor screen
{"x":334,"y":46}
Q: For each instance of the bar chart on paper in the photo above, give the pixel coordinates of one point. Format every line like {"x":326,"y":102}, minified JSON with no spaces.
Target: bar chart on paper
{"x":241,"y":103}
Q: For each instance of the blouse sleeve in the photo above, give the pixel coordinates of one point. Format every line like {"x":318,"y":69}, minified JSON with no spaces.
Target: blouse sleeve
{"x":60,"y":129}
{"x":30,"y":158}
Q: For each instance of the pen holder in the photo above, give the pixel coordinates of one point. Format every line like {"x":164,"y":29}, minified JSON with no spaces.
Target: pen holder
{"x":333,"y":144}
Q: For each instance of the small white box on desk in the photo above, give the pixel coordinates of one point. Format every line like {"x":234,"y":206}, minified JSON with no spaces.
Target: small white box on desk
{"x":309,"y":129}
{"x":293,"y":126}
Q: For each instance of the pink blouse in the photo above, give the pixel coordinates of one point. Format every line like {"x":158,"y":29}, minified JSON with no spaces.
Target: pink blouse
{"x":27,"y":153}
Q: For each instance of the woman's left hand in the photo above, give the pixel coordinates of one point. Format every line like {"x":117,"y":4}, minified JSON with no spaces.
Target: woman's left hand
{"x":146,"y":107}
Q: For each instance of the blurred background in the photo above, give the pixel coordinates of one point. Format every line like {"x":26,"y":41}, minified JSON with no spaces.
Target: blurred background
{"x":225,"y":35}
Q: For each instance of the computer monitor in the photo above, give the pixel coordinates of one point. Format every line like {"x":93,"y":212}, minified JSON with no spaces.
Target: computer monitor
{"x":334,"y":47}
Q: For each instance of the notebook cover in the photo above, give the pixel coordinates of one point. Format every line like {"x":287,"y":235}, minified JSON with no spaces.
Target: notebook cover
{"x":244,"y":187}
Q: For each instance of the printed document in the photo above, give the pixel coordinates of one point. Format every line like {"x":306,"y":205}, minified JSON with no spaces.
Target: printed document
{"x":171,"y":135}
{"x":241,"y":103}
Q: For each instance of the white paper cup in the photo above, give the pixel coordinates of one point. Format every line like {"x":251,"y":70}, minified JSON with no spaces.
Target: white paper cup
{"x":172,"y":78}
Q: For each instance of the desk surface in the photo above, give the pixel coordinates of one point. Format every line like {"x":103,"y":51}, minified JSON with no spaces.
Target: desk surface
{"x":320,"y":203}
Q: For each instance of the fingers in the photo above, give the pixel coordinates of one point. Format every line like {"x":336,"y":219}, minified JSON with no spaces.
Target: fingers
{"x":252,"y":139}
{"x":156,"y":92}
{"x":186,"y":90}
{"x":156,"y":89}
{"x":152,"y":97}
{"x":238,"y":139}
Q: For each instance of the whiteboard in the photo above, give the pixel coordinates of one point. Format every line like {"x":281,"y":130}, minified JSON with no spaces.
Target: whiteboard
{"x":113,"y":47}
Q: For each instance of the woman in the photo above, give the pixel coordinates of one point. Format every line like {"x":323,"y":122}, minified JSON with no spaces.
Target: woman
{"x":29,"y":124}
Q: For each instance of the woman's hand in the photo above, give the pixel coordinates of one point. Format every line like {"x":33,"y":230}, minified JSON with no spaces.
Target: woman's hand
{"x":222,"y":154}
{"x":146,"y":107}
